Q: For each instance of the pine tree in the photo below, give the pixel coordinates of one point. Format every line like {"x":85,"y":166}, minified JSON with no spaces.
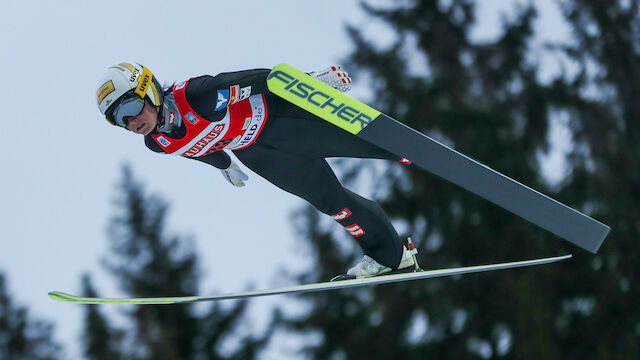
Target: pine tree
{"x":601,"y":319}
{"x":149,"y":263}
{"x":100,"y":341}
{"x":22,"y":337}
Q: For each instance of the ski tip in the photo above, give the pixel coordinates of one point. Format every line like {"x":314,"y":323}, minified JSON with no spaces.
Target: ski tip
{"x":60,"y":296}
{"x":68,"y":298}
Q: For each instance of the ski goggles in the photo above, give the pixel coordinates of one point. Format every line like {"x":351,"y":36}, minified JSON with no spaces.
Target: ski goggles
{"x":128,"y":106}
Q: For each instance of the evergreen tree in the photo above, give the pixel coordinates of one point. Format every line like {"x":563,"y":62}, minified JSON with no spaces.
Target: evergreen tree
{"x":149,"y":263}
{"x":601,"y":319}
{"x":487,"y":101}
{"x":99,"y":340}
{"x":21,"y":337}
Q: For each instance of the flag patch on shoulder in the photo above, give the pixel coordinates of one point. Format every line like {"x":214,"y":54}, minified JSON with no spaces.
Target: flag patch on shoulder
{"x":222,"y":99}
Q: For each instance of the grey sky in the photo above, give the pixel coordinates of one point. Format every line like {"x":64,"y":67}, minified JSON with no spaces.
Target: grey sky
{"x":62,"y":159}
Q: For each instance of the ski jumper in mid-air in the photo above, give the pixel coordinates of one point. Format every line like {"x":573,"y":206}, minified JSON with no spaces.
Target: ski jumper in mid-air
{"x":202,"y":117}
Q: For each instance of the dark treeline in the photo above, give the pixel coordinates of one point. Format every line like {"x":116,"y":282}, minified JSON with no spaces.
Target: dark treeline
{"x":489,"y":101}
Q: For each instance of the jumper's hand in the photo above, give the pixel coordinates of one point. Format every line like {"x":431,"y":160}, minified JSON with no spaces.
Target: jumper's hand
{"x":334,"y":76}
{"x":234,"y":175}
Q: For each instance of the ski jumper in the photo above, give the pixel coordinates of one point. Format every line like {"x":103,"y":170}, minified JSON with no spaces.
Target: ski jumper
{"x":284,"y":144}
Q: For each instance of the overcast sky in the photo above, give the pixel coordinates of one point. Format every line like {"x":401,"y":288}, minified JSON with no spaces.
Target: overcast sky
{"x":61,"y":160}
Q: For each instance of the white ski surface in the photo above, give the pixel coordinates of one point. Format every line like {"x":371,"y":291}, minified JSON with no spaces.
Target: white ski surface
{"x":383,"y":279}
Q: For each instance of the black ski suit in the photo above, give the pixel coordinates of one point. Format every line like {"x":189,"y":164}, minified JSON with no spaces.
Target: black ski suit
{"x":290,"y":153}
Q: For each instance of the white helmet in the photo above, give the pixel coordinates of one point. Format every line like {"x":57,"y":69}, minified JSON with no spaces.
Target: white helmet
{"x":124,"y":78}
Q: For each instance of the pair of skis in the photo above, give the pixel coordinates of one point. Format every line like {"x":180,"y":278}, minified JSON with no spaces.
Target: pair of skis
{"x":424,"y":152}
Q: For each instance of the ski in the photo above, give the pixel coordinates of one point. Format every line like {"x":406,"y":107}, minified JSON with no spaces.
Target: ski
{"x":324,"y":286}
{"x":428,"y":154}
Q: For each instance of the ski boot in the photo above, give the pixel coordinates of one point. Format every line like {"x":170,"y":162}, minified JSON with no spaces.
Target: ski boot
{"x":368,"y":267}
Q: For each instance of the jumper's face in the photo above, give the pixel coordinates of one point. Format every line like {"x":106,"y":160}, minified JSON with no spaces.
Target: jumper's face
{"x":144,"y":122}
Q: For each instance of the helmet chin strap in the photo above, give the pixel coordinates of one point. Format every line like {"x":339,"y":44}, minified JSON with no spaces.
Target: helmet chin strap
{"x":168,"y":109}
{"x":160,"y":117}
